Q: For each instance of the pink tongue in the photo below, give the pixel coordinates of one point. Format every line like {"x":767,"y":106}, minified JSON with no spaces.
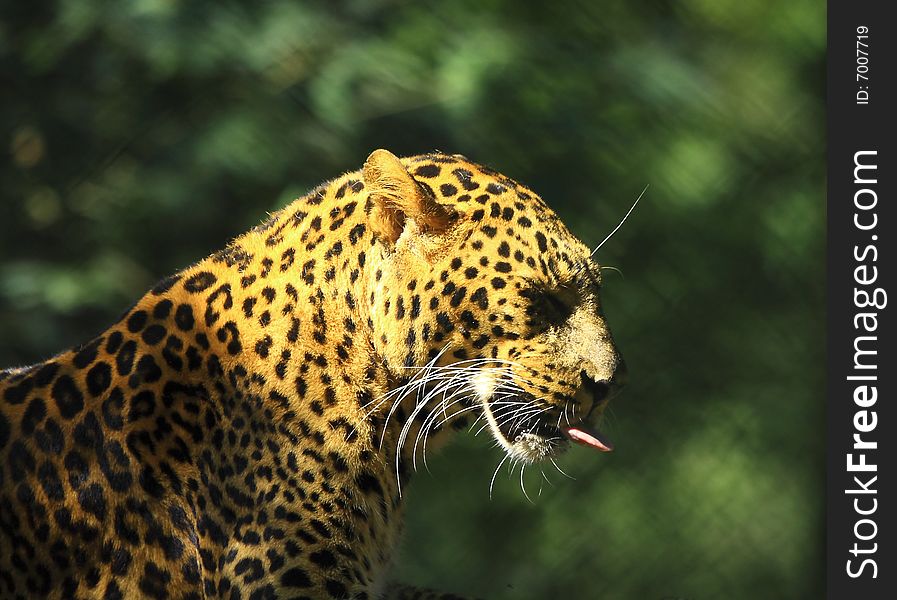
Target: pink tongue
{"x":589,"y":437}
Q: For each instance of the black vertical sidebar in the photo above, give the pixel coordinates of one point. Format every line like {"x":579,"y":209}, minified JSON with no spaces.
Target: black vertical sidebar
{"x":861,"y":371}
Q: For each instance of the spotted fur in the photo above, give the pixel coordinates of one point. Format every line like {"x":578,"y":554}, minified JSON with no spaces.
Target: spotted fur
{"x":244,"y":430}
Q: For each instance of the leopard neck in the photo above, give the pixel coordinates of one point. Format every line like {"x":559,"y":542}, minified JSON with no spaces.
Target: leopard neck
{"x":294,"y":334}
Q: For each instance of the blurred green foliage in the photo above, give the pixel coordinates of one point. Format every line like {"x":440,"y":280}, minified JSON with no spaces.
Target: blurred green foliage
{"x":142,"y":134}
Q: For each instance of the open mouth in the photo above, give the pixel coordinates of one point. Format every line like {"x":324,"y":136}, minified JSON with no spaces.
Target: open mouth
{"x":523,"y":426}
{"x":539,"y":438}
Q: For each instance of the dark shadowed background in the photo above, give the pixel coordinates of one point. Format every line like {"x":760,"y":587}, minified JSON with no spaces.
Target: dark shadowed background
{"x":142,"y":135}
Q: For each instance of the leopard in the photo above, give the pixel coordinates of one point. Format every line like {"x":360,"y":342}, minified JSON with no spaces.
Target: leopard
{"x":248,"y":428}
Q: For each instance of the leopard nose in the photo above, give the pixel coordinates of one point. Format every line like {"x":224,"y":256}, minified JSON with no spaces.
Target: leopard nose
{"x":597,"y":389}
{"x":603,"y":388}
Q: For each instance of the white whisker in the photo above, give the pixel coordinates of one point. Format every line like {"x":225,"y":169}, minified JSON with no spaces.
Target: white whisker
{"x":626,"y":216}
{"x":522,"y":485}
{"x":560,"y":470}
{"x":500,"y":463}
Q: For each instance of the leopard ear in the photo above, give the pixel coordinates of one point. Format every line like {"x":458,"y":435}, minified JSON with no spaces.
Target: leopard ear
{"x":396,"y":198}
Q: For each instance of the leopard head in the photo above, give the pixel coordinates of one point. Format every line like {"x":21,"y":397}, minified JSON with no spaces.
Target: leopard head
{"x":486,"y":306}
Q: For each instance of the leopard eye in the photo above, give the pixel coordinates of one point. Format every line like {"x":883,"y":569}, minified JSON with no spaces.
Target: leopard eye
{"x":556,"y":310}
{"x":548,"y":308}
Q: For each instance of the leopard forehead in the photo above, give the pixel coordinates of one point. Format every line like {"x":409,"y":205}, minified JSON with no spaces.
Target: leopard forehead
{"x":501,"y":208}
{"x":501,"y":228}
